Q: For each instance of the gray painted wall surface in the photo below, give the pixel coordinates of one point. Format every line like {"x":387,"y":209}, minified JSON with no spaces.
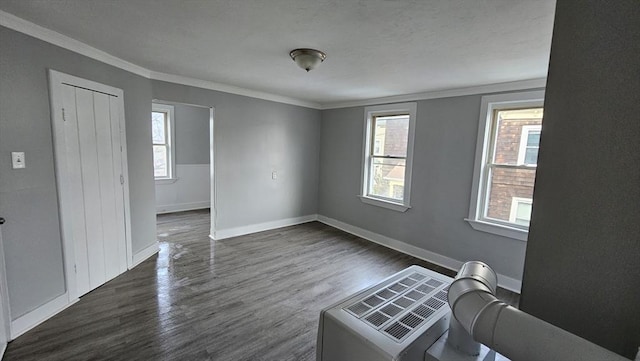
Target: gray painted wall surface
{"x":443,"y":161}
{"x":582,"y":269}
{"x":28,"y":197}
{"x":252,"y":138}
{"x":192,"y":134}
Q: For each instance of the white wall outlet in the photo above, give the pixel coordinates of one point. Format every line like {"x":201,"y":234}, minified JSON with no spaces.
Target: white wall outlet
{"x":274,"y":175}
{"x":17,"y":160}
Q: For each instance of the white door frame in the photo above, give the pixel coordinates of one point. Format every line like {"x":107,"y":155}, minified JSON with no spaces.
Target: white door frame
{"x":212,"y":168}
{"x":56,"y":81}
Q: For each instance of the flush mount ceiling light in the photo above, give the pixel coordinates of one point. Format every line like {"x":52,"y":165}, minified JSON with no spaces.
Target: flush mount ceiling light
{"x":307,"y":59}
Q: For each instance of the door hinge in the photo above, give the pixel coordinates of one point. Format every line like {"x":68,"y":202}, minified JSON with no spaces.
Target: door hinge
{"x":75,"y":269}
{"x":121,"y":179}
{"x":64,"y":117}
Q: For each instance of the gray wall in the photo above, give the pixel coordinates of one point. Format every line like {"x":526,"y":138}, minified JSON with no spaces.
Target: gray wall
{"x":443,"y":161}
{"x":582,"y":269}
{"x":192,"y":134}
{"x":252,"y":138}
{"x":28,"y":197}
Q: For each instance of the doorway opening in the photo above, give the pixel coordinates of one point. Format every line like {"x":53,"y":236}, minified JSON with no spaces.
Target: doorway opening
{"x":183,"y":158}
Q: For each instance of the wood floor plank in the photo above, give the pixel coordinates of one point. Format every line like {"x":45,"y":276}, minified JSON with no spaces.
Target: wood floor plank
{"x":254,"y":297}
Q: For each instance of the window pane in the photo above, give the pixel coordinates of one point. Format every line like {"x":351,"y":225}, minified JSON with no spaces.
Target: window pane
{"x":523,"y":213}
{"x":533,"y":139}
{"x":390,"y":135}
{"x":504,"y":184}
{"x":387,"y":178}
{"x":508,"y":129}
{"x":398,"y":191}
{"x":158,"y":127}
{"x":160,"y":169}
{"x":531,"y":155}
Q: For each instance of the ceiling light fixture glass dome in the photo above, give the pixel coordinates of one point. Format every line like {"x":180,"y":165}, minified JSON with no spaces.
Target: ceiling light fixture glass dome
{"x":307,"y":59}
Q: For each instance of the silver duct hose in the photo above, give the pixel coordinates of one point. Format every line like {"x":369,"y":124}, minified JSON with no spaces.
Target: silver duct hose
{"x":511,"y":332}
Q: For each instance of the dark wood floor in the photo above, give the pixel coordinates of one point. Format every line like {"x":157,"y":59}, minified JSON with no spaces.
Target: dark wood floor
{"x":255,"y":297}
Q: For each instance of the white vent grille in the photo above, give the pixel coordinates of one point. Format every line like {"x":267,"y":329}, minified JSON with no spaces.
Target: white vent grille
{"x":373,"y":301}
{"x":397,"y":331}
{"x":401,"y":307}
{"x":423,"y":311}
{"x":425,"y":288}
{"x":434,"y":303}
{"x":385,"y":294}
{"x":391,"y":309}
{"x":442,"y":295}
{"x":377,"y":319}
{"x":359,"y":309}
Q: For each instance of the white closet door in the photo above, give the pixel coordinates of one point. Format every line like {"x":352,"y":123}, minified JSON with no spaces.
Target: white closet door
{"x":94,"y":169}
{"x":74,"y":188}
{"x":106,"y":180}
{"x":116,"y":136}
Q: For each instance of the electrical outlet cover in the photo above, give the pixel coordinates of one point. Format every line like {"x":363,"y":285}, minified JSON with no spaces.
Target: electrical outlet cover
{"x":17,"y":160}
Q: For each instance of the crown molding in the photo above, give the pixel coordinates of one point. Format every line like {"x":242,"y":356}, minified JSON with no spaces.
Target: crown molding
{"x":26,"y":27}
{"x":199,"y":83}
{"x":480,"y":89}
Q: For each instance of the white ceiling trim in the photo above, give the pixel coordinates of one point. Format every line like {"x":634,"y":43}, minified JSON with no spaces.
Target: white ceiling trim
{"x":481,"y":89}
{"x":199,"y":83}
{"x":26,"y":27}
{"x":39,"y":32}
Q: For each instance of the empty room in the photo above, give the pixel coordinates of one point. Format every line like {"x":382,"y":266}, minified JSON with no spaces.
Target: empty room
{"x":319,"y":180}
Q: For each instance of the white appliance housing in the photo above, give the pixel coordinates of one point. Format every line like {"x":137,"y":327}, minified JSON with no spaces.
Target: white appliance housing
{"x":397,"y":319}
{"x":406,"y":317}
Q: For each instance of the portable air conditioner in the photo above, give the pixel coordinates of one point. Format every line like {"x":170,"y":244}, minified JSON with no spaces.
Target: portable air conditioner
{"x":407,"y":317}
{"x":397,"y":319}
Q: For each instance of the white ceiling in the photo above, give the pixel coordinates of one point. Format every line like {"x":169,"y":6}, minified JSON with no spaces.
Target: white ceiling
{"x":375,"y":48}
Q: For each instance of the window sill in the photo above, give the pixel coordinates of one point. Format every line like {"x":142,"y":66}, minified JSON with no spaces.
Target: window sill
{"x":166,"y":180}
{"x":399,"y":207}
{"x":499,"y":229}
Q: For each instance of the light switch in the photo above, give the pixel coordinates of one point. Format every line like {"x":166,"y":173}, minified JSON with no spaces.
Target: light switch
{"x":17,"y":160}
{"x":274,"y":175}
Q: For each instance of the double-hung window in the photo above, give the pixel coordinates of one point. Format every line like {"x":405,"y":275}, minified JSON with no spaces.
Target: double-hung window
{"x":388,"y":155}
{"x":162,"y":134}
{"x":506,"y":161}
{"x":529,"y":144}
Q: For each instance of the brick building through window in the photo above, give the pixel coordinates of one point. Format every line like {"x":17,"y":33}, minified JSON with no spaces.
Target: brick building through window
{"x":388,"y":155}
{"x":513,"y":171}
{"x":390,"y":139}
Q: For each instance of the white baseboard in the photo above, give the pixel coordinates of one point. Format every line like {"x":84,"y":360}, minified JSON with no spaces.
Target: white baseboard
{"x":509,"y":283}
{"x":170,"y":208}
{"x":3,"y":348}
{"x":259,"y":227}
{"x":32,"y":319}
{"x":144,"y":254}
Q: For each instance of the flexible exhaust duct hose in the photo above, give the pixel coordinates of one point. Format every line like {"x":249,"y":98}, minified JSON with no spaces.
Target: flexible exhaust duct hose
{"x":511,"y":332}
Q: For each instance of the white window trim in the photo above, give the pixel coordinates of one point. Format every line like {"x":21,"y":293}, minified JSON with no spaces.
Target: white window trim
{"x":524,"y":136}
{"x":169,"y":109}
{"x":514,"y":206}
{"x":381,"y":110}
{"x":478,"y":200}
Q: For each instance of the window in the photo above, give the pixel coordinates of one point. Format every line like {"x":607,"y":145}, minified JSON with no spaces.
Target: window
{"x":388,"y":155}
{"x":506,"y":161}
{"x":162,"y":135}
{"x":520,"y":211}
{"x":529,"y":144}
